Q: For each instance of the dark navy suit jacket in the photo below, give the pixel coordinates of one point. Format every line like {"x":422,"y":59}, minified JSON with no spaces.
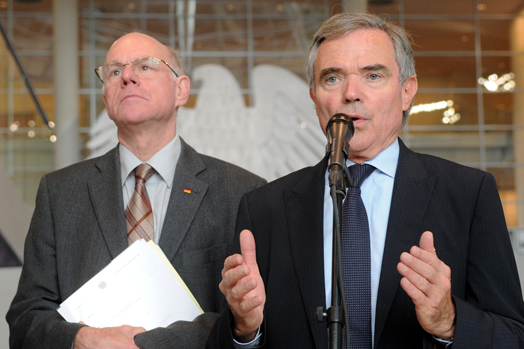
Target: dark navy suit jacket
{"x":462,"y":208}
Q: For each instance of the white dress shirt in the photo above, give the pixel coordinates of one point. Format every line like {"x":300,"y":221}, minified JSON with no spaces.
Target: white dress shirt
{"x":160,"y":183}
{"x":376,"y":193}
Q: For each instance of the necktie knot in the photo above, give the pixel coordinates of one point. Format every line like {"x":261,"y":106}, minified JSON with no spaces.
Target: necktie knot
{"x":359,"y":173}
{"x":143,"y":172}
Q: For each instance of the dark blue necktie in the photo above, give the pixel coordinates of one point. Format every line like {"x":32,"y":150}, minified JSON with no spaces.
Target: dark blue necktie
{"x":356,"y":261}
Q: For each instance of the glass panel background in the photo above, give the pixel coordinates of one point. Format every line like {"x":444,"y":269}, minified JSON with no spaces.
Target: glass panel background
{"x":456,"y":43}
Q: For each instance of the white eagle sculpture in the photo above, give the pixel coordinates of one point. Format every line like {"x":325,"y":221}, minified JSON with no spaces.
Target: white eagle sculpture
{"x":277,"y":135}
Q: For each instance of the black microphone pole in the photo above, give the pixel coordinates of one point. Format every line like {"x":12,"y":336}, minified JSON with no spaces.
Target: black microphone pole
{"x":339,"y":131}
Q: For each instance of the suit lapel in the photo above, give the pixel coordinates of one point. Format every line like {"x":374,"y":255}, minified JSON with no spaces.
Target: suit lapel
{"x":182,"y":205}
{"x":105,"y":190}
{"x":412,"y":191}
{"x":304,"y":206}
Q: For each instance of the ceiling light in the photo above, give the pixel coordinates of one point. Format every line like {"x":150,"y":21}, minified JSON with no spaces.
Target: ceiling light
{"x":431,"y":107}
{"x":494,"y":83}
{"x":14,"y":126}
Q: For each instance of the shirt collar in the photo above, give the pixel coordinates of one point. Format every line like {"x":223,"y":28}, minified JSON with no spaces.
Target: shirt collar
{"x":386,"y":161}
{"x":164,"y":162}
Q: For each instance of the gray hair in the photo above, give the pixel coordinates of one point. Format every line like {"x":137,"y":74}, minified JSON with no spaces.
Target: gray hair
{"x":342,"y":24}
{"x":176,"y":61}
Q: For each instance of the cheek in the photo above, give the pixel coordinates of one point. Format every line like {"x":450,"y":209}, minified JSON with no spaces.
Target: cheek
{"x":326,"y":108}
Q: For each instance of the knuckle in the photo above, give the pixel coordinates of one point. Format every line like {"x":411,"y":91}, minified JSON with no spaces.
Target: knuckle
{"x":233,"y":295}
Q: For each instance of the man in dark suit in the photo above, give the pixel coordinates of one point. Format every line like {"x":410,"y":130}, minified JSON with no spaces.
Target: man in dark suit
{"x":443,"y":272}
{"x":79,"y":225}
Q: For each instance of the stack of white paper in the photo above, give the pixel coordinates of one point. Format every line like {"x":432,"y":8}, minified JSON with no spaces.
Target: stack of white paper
{"x":138,"y":288}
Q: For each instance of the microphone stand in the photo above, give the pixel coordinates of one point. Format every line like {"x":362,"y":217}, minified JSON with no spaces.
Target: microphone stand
{"x":339,"y":178}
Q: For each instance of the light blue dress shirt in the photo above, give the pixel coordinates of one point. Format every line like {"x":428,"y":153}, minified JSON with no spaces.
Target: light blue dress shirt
{"x":376,"y":193}
{"x":160,"y":183}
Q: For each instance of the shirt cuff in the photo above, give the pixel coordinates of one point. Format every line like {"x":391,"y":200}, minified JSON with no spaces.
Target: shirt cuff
{"x":446,"y":342}
{"x":253,"y":344}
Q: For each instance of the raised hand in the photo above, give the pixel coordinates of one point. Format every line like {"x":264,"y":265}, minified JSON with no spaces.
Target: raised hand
{"x":427,"y":280}
{"x":244,"y":289}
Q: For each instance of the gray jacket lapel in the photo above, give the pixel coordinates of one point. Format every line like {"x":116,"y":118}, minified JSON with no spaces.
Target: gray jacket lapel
{"x":304,"y":205}
{"x":411,"y":194}
{"x":183,"y":206}
{"x":105,"y":190}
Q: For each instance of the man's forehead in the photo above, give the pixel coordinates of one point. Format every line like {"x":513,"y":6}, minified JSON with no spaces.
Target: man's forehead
{"x":135,"y":46}
{"x":363,"y":47}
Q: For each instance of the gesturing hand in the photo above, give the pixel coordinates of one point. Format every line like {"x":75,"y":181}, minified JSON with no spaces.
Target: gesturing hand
{"x":244,"y":290}
{"x":427,"y":280}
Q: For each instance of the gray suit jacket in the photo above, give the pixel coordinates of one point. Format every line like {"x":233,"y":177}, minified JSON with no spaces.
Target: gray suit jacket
{"x":79,"y":226}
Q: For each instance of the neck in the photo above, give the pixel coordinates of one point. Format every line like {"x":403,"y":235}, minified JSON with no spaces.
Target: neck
{"x":144,"y":146}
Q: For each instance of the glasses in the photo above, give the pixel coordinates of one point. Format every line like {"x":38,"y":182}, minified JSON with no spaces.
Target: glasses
{"x":143,"y":68}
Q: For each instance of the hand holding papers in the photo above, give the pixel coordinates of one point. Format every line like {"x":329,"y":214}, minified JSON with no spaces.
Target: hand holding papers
{"x":138,"y":288}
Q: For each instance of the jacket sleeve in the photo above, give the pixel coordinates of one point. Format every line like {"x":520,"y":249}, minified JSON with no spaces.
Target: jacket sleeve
{"x":32,"y":318}
{"x":180,"y":335}
{"x":492,"y":313}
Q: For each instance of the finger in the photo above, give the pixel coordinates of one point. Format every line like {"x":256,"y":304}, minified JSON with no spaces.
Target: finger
{"x":427,"y":253}
{"x":424,"y":277}
{"x":412,"y":291}
{"x":232,"y":262}
{"x":421,"y":275}
{"x":234,"y":275}
{"x":248,"y":247}
{"x":430,"y":259}
{"x":426,"y":242}
{"x":249,"y":304}
{"x":415,"y":262}
{"x":241,"y":293}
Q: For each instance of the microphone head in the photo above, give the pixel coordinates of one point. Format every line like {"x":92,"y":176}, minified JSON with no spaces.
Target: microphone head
{"x":340,"y":127}
{"x":339,"y":131}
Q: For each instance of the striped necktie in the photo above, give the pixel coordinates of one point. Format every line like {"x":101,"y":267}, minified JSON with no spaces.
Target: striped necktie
{"x":139,"y":214}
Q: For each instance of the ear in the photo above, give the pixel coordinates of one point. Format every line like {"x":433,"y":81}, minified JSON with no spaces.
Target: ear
{"x":183,"y":86}
{"x":409,"y":89}
{"x":313,"y":96}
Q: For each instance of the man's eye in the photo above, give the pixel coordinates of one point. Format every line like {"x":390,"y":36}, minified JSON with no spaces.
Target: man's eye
{"x":331,"y":79}
{"x":144,"y":67}
{"x":373,"y":76}
{"x":115,"y":72}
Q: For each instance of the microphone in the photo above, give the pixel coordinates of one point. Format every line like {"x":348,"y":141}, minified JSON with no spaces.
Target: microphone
{"x":339,"y":131}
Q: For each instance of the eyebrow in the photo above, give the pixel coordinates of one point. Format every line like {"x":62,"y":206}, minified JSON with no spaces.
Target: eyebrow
{"x":328,"y":71}
{"x":368,"y":68}
{"x":138,"y":59}
{"x":376,"y":68}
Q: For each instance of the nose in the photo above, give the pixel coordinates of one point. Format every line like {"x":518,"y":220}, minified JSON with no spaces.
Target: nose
{"x":129,"y":76}
{"x":352,"y":92}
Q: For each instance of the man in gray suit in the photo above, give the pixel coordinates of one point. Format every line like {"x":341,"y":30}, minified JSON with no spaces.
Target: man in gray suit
{"x":79,"y":224}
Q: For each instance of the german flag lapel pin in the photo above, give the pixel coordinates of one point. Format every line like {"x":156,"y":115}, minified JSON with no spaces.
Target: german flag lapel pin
{"x":187,"y":191}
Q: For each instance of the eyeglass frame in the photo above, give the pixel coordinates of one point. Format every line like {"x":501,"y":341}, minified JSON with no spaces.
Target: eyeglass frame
{"x":124,"y":65}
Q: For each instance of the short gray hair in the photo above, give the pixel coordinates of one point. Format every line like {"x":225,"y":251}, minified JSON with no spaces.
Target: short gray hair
{"x":176,"y":61}
{"x":342,"y":24}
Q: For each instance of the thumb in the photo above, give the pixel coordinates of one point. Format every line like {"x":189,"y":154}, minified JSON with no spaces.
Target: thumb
{"x":248,"y":247}
{"x":426,"y":242}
